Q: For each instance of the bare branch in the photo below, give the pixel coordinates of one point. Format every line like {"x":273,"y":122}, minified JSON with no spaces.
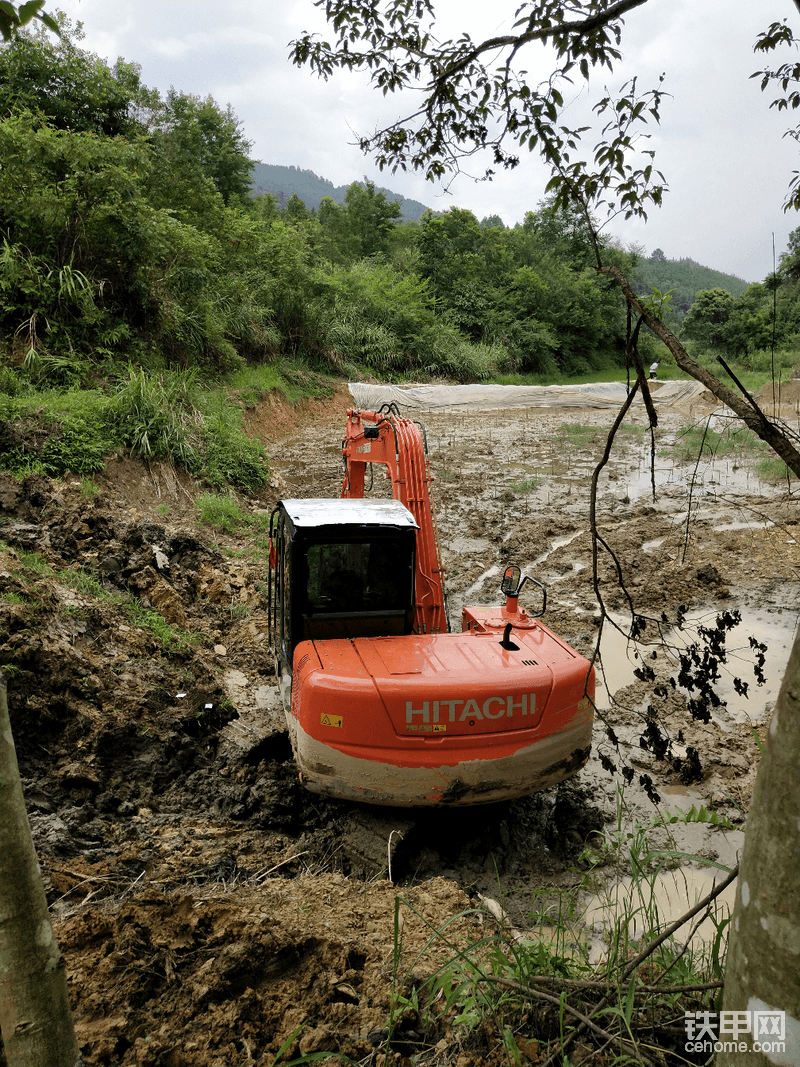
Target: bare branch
{"x":760,"y":425}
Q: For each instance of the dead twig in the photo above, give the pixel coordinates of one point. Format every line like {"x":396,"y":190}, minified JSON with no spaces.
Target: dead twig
{"x":265,"y":874}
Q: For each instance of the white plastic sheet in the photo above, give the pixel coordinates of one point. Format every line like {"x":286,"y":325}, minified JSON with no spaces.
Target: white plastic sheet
{"x":369,"y":397}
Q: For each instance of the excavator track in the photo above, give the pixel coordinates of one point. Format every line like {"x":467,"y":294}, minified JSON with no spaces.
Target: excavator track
{"x":370,"y":840}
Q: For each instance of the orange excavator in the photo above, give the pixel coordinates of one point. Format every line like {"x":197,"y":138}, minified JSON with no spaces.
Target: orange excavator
{"x":385,"y":705}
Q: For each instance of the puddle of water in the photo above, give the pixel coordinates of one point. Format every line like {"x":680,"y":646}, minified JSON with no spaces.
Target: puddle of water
{"x":559,"y":542}
{"x":776,"y":631}
{"x":710,"y":477}
{"x":744,"y":526}
{"x":670,"y":894}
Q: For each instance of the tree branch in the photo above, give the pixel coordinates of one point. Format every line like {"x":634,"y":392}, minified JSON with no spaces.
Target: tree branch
{"x":760,"y":425}
{"x":544,"y":33}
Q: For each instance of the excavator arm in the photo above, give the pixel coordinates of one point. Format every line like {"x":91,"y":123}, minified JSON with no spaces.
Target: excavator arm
{"x":385,"y":437}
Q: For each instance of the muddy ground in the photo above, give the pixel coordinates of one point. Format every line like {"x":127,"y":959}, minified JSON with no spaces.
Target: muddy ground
{"x":209,"y":908}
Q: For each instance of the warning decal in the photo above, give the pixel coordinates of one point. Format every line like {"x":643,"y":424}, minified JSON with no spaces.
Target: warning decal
{"x":331,"y":720}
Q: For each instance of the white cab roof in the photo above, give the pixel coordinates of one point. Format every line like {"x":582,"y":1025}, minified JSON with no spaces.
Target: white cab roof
{"x":323,"y":511}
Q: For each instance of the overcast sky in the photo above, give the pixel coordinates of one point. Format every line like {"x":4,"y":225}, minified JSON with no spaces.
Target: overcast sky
{"x":720,"y":146}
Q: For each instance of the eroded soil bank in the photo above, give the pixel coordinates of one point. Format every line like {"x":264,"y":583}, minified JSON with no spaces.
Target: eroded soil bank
{"x":207,"y":906}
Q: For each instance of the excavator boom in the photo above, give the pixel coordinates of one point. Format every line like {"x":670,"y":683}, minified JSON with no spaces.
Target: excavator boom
{"x":396,"y":442}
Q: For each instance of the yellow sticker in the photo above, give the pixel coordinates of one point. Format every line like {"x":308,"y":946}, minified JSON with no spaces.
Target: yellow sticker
{"x":331,"y":720}
{"x":439,"y":728}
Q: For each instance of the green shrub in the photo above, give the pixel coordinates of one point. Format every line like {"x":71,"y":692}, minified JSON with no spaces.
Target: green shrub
{"x":229,"y":457}
{"x":221,"y":511}
{"x":154,"y":414}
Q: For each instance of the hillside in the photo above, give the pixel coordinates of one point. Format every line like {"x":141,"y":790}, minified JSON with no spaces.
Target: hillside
{"x":282,"y":182}
{"x":685,"y":276}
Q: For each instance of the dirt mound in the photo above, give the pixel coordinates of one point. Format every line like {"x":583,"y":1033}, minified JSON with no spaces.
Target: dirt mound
{"x":232,"y":974}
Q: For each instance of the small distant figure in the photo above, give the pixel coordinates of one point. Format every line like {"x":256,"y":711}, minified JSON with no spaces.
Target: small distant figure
{"x":653,"y":370}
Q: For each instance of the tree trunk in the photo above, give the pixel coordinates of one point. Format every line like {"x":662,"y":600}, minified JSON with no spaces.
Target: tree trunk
{"x":763,"y":967}
{"x":35,"y":1016}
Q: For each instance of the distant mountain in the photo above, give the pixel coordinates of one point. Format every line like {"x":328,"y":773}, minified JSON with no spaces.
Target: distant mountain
{"x":282,"y":182}
{"x":684,"y":276}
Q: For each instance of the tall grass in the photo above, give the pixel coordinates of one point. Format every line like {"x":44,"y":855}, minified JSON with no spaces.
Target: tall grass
{"x":166,"y":415}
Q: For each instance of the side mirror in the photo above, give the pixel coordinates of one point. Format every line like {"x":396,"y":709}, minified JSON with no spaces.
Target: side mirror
{"x":511,"y":578}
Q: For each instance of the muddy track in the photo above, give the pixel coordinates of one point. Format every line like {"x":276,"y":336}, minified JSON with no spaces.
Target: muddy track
{"x":207,"y":905}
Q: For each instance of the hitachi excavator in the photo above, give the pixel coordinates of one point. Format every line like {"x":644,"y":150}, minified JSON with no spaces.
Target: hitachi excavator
{"x":384,"y":705}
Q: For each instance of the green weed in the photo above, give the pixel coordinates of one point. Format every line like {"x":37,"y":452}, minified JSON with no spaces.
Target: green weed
{"x":35,"y":563}
{"x":89,"y":489}
{"x":13,"y":598}
{"x":697,"y":440}
{"x":580,"y":436}
{"x":88,"y":584}
{"x":221,"y":511}
{"x":772,"y":469}
{"x":527,"y":485}
{"x":169,"y":637}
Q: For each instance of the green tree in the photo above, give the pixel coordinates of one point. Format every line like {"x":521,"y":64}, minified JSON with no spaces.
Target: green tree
{"x":198,"y":134}
{"x":467,"y":266}
{"x":790,"y":260}
{"x":707,"y":318}
{"x":296,"y":209}
{"x":68,"y":87}
{"x":363,"y":226}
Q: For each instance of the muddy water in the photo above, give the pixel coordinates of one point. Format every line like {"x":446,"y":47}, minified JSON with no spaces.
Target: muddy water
{"x":620,"y":657}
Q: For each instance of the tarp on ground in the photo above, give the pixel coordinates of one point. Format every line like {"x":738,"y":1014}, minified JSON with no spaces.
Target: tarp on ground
{"x":369,"y":397}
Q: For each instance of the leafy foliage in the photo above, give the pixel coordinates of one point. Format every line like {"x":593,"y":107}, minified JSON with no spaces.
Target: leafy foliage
{"x":757,"y":327}
{"x":132,"y":260}
{"x":476,"y":96}
{"x":14,"y":16}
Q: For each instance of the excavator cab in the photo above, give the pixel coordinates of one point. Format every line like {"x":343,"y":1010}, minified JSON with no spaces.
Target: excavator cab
{"x":341,"y":569}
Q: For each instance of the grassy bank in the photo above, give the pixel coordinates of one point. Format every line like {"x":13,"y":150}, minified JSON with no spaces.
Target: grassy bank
{"x":174,"y":415}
